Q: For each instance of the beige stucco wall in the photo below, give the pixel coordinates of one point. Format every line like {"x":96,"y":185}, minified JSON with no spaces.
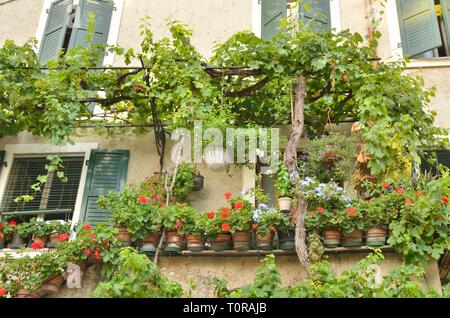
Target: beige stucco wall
{"x":144,"y":161}
{"x":239,"y":271}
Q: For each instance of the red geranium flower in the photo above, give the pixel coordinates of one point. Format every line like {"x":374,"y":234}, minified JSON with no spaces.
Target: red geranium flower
{"x":321,"y":209}
{"x":227,"y":195}
{"x":37,"y":245}
{"x":87,"y":227}
{"x":225,"y":209}
{"x":63,"y":236}
{"x":272,"y":229}
{"x":238,"y":205}
{"x":92,"y":236}
{"x":1,"y":225}
{"x":408,"y":202}
{"x":162,"y":206}
{"x":400,"y":190}
{"x":142,"y":199}
{"x":97,"y":254}
{"x":2,"y":291}
{"x":386,"y":185}
{"x":87,"y":251}
{"x":254,"y":226}
{"x":444,"y":200}
{"x":211,"y":215}
{"x":12,"y":223}
{"x":225,"y":227}
{"x":225,"y":215}
{"x":351,"y":212}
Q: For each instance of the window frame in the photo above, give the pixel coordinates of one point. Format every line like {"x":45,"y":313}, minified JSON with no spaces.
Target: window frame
{"x":30,"y":150}
{"x":113,"y":33}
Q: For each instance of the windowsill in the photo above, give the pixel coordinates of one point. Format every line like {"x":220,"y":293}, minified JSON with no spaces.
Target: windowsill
{"x":429,"y":63}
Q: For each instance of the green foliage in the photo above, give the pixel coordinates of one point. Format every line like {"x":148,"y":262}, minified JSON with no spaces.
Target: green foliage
{"x":315,"y":247}
{"x":135,"y":276}
{"x":283,"y":183}
{"x":267,"y":220}
{"x":179,"y":217}
{"x":184,"y":182}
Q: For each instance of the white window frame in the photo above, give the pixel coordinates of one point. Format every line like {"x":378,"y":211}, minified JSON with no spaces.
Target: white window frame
{"x":335,"y":15}
{"x":113,"y":29}
{"x":81,"y":149}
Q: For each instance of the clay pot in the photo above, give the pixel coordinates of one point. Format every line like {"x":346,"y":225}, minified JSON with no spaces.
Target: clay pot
{"x":27,"y":294}
{"x":376,"y":235}
{"x":286,"y":240}
{"x":354,"y":238}
{"x":221,"y":242}
{"x":331,"y":238}
{"x":194,"y":242}
{"x":149,"y":243}
{"x":42,"y":239}
{"x":264,"y":242}
{"x":52,"y":284}
{"x":93,"y":260}
{"x":284,"y":203}
{"x":174,"y":242}
{"x":124,"y":235}
{"x":241,"y":240}
{"x":198,"y":182}
{"x":16,"y":241}
{"x":2,"y":242}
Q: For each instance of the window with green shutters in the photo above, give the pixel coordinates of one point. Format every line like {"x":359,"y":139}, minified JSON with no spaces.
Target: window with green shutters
{"x":107,"y":171}
{"x":424,"y":27}
{"x":316,"y":13}
{"x":66,"y":25}
{"x":55,"y":196}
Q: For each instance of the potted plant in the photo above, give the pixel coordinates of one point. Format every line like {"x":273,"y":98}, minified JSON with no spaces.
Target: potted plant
{"x":184,"y":182}
{"x":283,"y":186}
{"x":177,"y":219}
{"x":39,"y":230}
{"x":199,"y":180}
{"x":195,"y":230}
{"x":20,"y":234}
{"x":152,"y":225}
{"x":286,"y":236}
{"x":352,"y":222}
{"x":266,"y":221}
{"x":377,"y":221}
{"x":59,"y":232}
{"x":152,"y":188}
{"x":217,"y":230}
{"x":240,"y":220}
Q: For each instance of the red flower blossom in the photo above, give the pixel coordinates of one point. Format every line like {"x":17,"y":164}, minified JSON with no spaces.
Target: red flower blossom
{"x":311,"y":213}
{"x":352,"y":212}
{"x":92,"y":236}
{"x":2,"y":291}
{"x":408,"y":202}
{"x":87,"y":227}
{"x":225,"y":215}
{"x":227,"y":195}
{"x":320,"y":209}
{"x":254,"y":226}
{"x":225,"y":209}
{"x":162,"y":206}
{"x":97,"y":254}
{"x":142,"y":199}
{"x":444,"y":200}
{"x":2,"y":226}
{"x":178,"y":225}
{"x":63,"y":236}
{"x":211,"y":215}
{"x":225,"y":227}
{"x":37,"y":245}
{"x":272,"y":229}
{"x":386,"y":185}
{"x":400,"y":190}
{"x":12,"y":223}
{"x":87,"y":251}
{"x":238,"y":205}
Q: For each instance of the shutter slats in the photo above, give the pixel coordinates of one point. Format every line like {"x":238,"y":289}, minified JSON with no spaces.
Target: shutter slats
{"x":445,"y":5}
{"x":317,"y":14}
{"x":419,"y":26}
{"x":272,"y":11}
{"x":107,"y":172}
{"x":55,"y":30}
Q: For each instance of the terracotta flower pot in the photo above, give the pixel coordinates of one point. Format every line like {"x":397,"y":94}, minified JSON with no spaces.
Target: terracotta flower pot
{"x":284,"y":203}
{"x":264,"y":242}
{"x":52,"y":284}
{"x":241,"y":240}
{"x":376,"y":235}
{"x":149,"y":243}
{"x":42,"y":239}
{"x":286,"y":239}
{"x":194,"y":242}
{"x":331,"y":238}
{"x":16,"y":241}
{"x":93,"y":260}
{"x":221,"y":242}
{"x":124,"y":235}
{"x":354,"y":238}
{"x":174,"y":242}
{"x":27,"y":294}
{"x":54,"y":240}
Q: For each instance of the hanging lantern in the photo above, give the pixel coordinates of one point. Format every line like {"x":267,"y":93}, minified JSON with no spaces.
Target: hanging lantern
{"x":216,"y":158}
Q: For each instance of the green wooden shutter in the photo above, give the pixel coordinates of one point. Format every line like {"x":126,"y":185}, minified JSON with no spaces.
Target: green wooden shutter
{"x":2,"y":157}
{"x":317,"y":14}
{"x":107,"y":171}
{"x":102,"y":10}
{"x":419,"y":28}
{"x":272,"y":11}
{"x":55,"y":30}
{"x":445,"y":5}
